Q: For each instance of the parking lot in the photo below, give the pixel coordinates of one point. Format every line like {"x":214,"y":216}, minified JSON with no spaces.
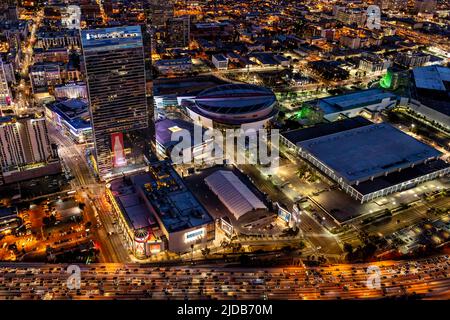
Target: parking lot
{"x":342,"y":207}
{"x":48,"y":224}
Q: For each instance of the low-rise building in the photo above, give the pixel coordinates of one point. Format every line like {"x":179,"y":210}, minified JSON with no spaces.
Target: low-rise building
{"x":352,"y":104}
{"x":72,"y":117}
{"x":412,"y":59}
{"x":174,"y":66}
{"x":160,"y":211}
{"x":220,"y":61}
{"x":373,"y":64}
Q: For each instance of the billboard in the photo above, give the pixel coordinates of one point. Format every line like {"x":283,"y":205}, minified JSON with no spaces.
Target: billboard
{"x":194,"y":235}
{"x":226,"y":227}
{"x":284,"y":214}
{"x":117,"y":149}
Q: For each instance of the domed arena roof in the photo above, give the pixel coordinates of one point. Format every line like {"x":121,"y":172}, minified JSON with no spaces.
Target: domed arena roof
{"x":235,"y":103}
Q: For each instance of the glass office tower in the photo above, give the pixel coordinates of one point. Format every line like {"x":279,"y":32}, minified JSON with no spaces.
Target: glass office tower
{"x":115,"y":72}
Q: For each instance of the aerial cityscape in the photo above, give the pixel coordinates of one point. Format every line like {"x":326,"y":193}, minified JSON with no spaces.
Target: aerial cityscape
{"x":224,"y":150}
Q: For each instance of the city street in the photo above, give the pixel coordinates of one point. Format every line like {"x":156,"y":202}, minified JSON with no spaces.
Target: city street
{"x":92,"y":193}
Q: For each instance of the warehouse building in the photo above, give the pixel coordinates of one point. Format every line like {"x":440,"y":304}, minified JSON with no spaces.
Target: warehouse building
{"x":367,"y":160}
{"x":352,"y":104}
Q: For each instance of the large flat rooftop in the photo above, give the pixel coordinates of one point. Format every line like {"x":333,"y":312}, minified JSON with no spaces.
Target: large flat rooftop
{"x":298,"y":135}
{"x":432,"y":85}
{"x":369,"y":151}
{"x":353,"y":100}
{"x":74,"y":111}
{"x":432,"y":78}
{"x":177,"y":208}
{"x":165,"y":128}
{"x":126,"y":193}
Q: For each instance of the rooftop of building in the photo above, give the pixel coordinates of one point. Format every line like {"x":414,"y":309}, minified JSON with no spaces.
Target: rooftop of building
{"x":298,"y":135}
{"x":353,"y":100}
{"x":128,"y":198}
{"x":266,"y":58}
{"x":370,"y":151}
{"x":399,"y":177}
{"x":432,"y":78}
{"x":165,"y":62}
{"x":9,"y":119}
{"x":123,"y":37}
{"x":73,"y":111}
{"x":175,"y":205}
{"x":165,"y":128}
{"x":188,"y":86}
{"x":8,"y":212}
{"x":233,"y":193}
{"x":220,"y":57}
{"x":432,"y":86}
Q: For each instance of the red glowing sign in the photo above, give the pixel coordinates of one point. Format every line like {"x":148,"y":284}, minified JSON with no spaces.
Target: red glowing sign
{"x":118,"y":149}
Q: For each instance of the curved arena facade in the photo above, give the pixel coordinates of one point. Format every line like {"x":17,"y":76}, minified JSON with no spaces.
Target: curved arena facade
{"x":233,"y":105}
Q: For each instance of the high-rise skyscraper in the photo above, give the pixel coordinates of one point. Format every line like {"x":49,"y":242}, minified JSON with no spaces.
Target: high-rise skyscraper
{"x":5,"y":94}
{"x":178,"y":32}
{"x":26,"y":151}
{"x":24,"y":141}
{"x":115,"y":72}
{"x":159,"y":12}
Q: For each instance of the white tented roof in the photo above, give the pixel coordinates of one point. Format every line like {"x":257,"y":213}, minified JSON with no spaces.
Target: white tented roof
{"x":233,"y":193}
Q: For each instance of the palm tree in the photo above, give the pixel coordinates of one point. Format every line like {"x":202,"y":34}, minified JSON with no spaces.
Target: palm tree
{"x":302,"y":170}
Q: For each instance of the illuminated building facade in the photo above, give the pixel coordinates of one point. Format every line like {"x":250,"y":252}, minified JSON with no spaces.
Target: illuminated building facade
{"x":158,"y":212}
{"x":25,"y":149}
{"x":115,"y":70}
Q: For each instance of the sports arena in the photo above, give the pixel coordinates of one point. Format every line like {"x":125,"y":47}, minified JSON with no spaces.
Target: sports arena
{"x":233,"y":105}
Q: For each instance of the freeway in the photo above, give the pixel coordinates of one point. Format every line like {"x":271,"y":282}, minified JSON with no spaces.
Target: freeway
{"x":426,"y":278}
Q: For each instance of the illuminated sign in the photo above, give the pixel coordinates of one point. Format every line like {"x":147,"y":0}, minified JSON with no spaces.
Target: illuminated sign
{"x":111,"y":35}
{"x":226,"y":227}
{"x":111,"y":38}
{"x":194,"y":235}
{"x":283,"y":214}
{"x":155,"y":248}
{"x":118,"y":149}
